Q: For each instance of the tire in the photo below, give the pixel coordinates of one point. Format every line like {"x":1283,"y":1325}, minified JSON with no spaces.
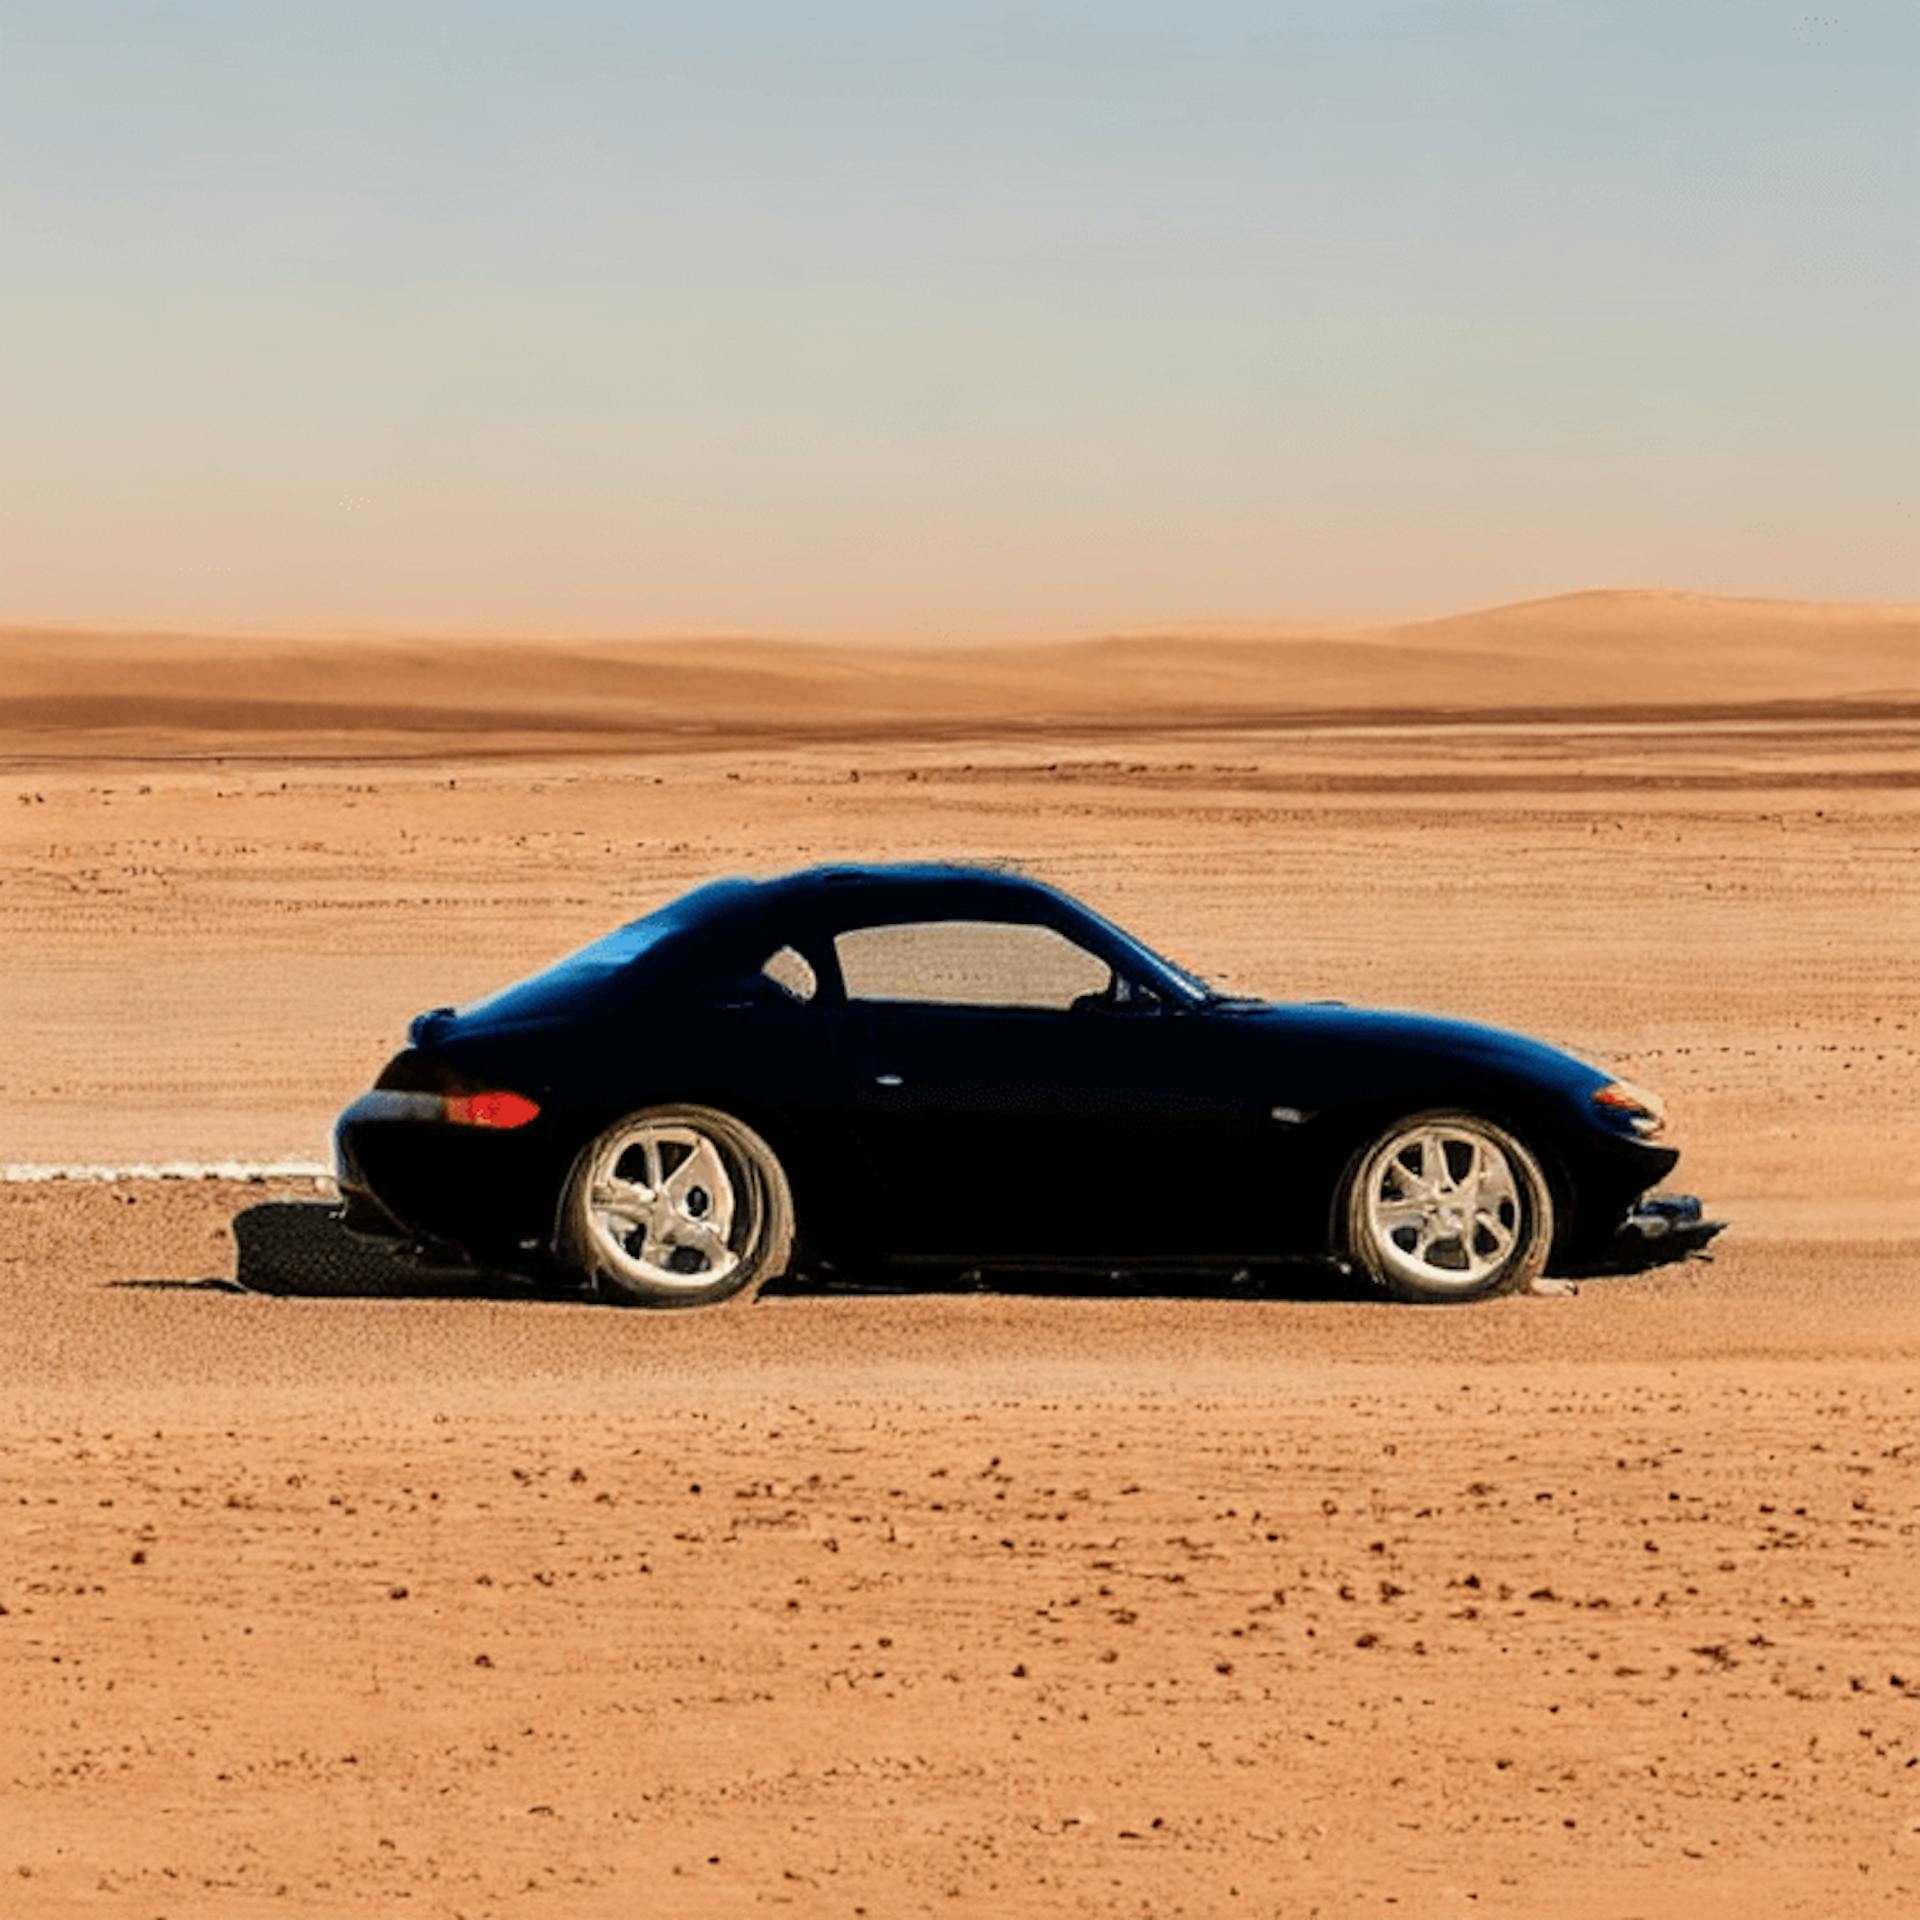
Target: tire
{"x":1445,"y":1207}
{"x":676,"y":1206}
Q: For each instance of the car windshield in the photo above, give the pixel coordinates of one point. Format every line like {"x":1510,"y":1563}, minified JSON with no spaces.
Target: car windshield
{"x":1185,"y":984}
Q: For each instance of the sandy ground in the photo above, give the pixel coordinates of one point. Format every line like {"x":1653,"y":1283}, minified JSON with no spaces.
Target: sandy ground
{"x":353,"y":1593}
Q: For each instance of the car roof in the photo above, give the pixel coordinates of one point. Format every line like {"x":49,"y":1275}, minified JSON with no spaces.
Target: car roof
{"x":852,"y":893}
{"x":857,"y":892}
{"x":901,"y":875}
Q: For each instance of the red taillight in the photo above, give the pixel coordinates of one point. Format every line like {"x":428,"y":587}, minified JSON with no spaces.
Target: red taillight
{"x":490,"y":1109}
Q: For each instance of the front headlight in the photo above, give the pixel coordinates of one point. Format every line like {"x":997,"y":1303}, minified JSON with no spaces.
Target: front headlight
{"x":1644,"y":1112}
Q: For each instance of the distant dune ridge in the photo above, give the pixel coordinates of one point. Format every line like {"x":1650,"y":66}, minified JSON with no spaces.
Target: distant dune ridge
{"x":68,"y":693}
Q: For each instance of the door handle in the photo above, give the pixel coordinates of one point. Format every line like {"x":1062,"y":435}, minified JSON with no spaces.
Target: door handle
{"x":887,"y":1080}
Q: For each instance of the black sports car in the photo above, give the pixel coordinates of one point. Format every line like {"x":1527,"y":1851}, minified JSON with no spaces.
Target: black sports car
{"x":854,"y":1065}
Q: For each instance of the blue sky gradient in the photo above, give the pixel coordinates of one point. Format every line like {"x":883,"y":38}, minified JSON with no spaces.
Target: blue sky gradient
{"x":938,"y":320}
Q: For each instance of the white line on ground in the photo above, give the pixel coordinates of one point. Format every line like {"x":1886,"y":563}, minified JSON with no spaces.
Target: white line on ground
{"x":173,"y":1170}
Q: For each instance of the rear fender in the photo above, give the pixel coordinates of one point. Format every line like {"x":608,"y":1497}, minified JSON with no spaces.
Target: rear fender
{"x":777,"y":1129}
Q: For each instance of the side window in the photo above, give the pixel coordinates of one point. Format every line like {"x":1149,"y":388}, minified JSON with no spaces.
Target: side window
{"x":968,"y":963}
{"x":788,"y":970}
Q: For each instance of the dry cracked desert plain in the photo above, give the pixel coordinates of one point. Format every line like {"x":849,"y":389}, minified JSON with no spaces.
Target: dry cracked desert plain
{"x":374,"y":1595}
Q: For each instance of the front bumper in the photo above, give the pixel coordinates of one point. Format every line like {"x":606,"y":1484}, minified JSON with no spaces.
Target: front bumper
{"x":1605,"y":1174}
{"x":1660,"y":1229}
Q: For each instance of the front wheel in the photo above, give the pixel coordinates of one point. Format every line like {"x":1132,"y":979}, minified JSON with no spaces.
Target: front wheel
{"x":678,"y":1206}
{"x":1447,"y":1206}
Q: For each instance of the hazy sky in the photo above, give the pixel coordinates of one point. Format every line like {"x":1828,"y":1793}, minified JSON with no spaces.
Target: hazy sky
{"x":945,"y":319}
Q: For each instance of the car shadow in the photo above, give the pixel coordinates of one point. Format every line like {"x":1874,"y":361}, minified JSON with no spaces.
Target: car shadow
{"x":300,"y":1250}
{"x":297,"y":1249}
{"x":1303,"y":1282}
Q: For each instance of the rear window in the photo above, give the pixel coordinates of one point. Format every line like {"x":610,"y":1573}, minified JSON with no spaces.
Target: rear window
{"x":792,"y":972}
{"x":579,"y":975}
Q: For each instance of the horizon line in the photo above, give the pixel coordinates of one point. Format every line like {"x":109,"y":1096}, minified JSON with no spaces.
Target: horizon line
{"x":1210,"y":626}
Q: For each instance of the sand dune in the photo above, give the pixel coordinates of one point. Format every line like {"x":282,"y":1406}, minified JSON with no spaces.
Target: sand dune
{"x":72,"y":693}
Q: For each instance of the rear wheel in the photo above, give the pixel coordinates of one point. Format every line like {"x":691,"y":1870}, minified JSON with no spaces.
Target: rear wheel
{"x":678,"y":1206}
{"x":1447,"y":1206}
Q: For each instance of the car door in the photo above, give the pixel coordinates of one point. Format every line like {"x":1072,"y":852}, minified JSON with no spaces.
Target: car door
{"x":1002,"y":1101}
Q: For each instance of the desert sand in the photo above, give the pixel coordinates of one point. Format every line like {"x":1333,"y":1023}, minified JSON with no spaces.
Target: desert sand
{"x":345,"y":1591}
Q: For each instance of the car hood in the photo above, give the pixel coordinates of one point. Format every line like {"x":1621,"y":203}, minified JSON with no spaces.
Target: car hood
{"x":1385,"y":1031}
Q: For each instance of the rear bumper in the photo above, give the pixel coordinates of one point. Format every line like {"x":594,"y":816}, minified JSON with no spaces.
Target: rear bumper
{"x":405,"y":1174}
